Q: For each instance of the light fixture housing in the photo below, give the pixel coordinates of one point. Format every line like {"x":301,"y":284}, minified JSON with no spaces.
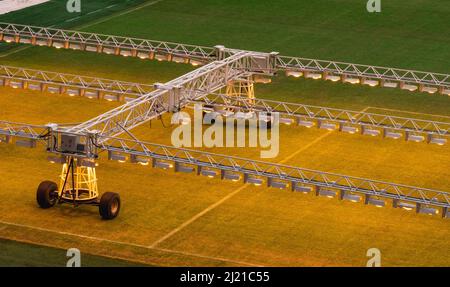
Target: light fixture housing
{"x":162,"y":164}
{"x":352,"y":80}
{"x":195,"y":63}
{"x":143,"y":55}
{"x":371,"y":83}
{"x":108,"y":51}
{"x":117,"y":157}
{"x":328,"y":126}
{"x":29,"y":143}
{"x":53,"y":89}
{"x":42,"y":42}
{"x":327,"y":193}
{"x":73,"y":92}
{"x":410,"y":88}
{"x":91,"y":94}
{"x":255,"y":181}
{"x":286,"y":121}
{"x":278,"y":184}
{"x":415,"y":138}
{"x":438,"y":141}
{"x":332,"y":78}
{"x":307,"y":124}
{"x":406,"y":205}
{"x":110,"y":97}
{"x":56,"y":159}
{"x":376,"y":202}
{"x":209,"y":173}
{"x":314,"y":76}
{"x":428,"y":210}
{"x":303,"y":188}
{"x":184,"y":168}
{"x":392,"y":135}
{"x":139,"y":160}
{"x":293,"y":73}
{"x":371,"y":132}
{"x":126,"y":53}
{"x":16,"y":85}
{"x":58,"y":45}
{"x":349,"y":129}
{"x":352,"y":197}
{"x":232,"y":176}
{"x":390,"y":84}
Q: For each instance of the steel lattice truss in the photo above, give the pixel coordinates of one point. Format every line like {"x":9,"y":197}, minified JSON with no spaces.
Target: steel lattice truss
{"x":339,"y":116}
{"x":223,"y":66}
{"x":169,"y":97}
{"x":133,"y":47}
{"x":32,"y":33}
{"x":365,"y":71}
{"x":278,"y":171}
{"x":20,"y":130}
{"x":20,"y":76}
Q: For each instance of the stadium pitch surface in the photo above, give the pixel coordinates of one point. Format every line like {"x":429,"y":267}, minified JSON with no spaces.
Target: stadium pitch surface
{"x":179,"y":219}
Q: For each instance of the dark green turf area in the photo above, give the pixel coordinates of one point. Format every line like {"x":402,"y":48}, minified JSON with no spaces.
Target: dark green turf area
{"x":16,"y":254}
{"x":412,"y":34}
{"x":407,"y":33}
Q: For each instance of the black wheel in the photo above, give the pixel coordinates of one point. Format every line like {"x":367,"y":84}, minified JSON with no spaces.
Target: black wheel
{"x":47,"y":194}
{"x":109,"y":205}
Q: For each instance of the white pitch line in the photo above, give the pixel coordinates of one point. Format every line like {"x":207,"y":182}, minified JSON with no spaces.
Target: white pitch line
{"x":92,"y":12}
{"x":120,"y":14}
{"x":197,"y":216}
{"x":73,"y":19}
{"x":123,"y":243}
{"x":224,"y":199}
{"x":409,"y":112}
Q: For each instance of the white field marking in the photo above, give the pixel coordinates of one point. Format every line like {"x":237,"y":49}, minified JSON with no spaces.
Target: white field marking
{"x":197,"y":216}
{"x":88,"y":25}
{"x":72,"y":19}
{"x":122,"y":243}
{"x":110,"y":6}
{"x":408,"y":112}
{"x":120,"y":14}
{"x":92,"y":12}
{"x":224,"y":199}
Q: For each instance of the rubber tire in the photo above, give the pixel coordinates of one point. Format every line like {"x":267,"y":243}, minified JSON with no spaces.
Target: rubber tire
{"x":47,"y":194}
{"x":106,"y":205}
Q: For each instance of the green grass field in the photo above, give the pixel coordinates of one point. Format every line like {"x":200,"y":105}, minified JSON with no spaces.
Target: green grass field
{"x":177,"y":219}
{"x":29,"y":255}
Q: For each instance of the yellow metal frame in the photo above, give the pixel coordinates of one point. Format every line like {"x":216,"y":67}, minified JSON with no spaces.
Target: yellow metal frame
{"x":82,"y":187}
{"x":241,"y":88}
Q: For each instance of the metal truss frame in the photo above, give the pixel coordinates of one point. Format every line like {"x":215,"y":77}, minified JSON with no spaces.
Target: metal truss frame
{"x":223,"y":66}
{"x":66,"y":37}
{"x":20,"y":130}
{"x":133,"y":46}
{"x":331,"y":115}
{"x":282,"y":172}
{"x":171,"y":96}
{"x":16,"y":75}
{"x":364,"y":71}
